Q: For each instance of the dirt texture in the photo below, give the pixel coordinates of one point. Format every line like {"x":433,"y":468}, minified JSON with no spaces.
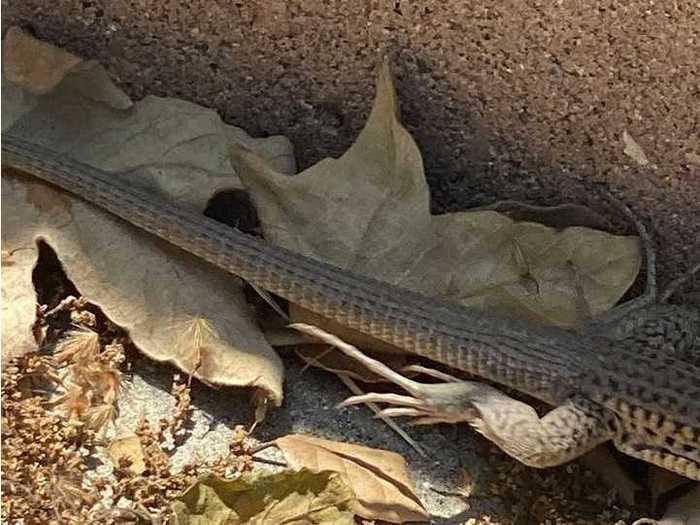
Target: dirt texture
{"x":507,"y":100}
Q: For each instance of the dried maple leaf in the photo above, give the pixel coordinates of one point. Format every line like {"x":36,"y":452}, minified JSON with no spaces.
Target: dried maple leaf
{"x":379,"y":478}
{"x":174,"y":148}
{"x":369,"y":212}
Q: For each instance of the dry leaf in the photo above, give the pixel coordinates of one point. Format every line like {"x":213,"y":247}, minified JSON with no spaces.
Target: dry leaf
{"x":18,"y":296}
{"x":35,"y":64}
{"x":128,"y":448}
{"x":299,"y":497}
{"x":634,"y":150}
{"x":379,"y":478}
{"x":174,"y":148}
{"x":603,"y":463}
{"x":369,"y":212}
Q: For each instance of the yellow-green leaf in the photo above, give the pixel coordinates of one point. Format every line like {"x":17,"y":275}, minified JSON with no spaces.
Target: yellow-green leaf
{"x":295,"y":498}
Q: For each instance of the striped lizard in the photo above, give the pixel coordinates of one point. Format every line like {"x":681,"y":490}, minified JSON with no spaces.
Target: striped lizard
{"x":632,"y":377}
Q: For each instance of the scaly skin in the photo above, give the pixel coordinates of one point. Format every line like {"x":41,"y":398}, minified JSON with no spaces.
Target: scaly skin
{"x":619,"y":388}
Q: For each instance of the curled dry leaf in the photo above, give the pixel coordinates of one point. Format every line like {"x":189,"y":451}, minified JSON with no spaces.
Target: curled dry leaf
{"x":368,"y":211}
{"x":78,"y":345}
{"x":21,"y":68}
{"x":175,"y":149}
{"x":379,"y":478}
{"x":128,"y":451}
{"x":302,"y":497}
{"x":18,"y":295}
{"x":685,"y":510}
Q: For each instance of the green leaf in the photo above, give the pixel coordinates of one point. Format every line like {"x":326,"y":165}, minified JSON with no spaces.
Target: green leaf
{"x":290,"y":497}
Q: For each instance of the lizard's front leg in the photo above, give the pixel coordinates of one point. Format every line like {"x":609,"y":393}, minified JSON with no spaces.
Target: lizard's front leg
{"x":563,"y":434}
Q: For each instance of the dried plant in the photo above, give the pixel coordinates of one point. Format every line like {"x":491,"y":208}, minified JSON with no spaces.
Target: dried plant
{"x":54,"y":406}
{"x":78,"y":346}
{"x":44,"y":455}
{"x":55,"y":410}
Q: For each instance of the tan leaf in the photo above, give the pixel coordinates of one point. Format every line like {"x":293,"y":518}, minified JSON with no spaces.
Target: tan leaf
{"x":128,"y":448}
{"x":177,"y":150}
{"x":368,"y":211}
{"x":300,"y":497}
{"x":35,"y":64}
{"x":634,"y":150}
{"x":18,"y":295}
{"x":379,"y":478}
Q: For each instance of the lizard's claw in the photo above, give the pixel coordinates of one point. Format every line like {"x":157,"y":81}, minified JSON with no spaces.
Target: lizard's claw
{"x":449,"y":402}
{"x":430,"y":403}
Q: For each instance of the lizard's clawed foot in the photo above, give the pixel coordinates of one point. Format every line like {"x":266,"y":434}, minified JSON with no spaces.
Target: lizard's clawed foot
{"x":439,"y":403}
{"x":563,"y":434}
{"x":448,"y":402}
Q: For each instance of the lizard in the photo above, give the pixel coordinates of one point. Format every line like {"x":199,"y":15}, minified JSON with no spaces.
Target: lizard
{"x":638,"y":387}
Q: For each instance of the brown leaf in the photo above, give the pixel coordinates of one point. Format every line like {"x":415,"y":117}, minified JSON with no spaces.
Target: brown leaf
{"x":662,"y":481}
{"x":128,"y":448}
{"x":175,"y":149}
{"x":369,"y":212}
{"x":18,"y":295}
{"x":603,"y":463}
{"x":38,"y":66}
{"x":561,"y":216}
{"x":379,"y":478}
